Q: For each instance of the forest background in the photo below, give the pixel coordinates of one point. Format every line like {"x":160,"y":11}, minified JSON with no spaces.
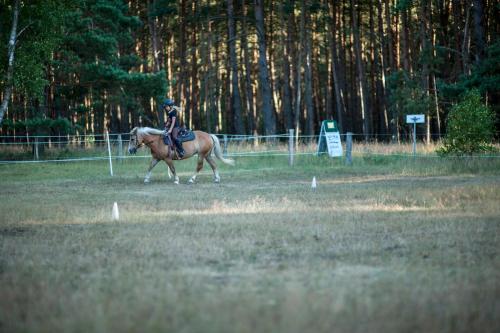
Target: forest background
{"x":244,"y":66}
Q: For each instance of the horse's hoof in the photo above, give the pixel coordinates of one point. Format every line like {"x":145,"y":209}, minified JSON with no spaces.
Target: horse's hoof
{"x":176,"y":182}
{"x":146,"y":181}
{"x":191,"y":181}
{"x":217,"y":180}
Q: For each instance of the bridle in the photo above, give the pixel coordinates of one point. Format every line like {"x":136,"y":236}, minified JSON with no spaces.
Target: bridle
{"x":137,"y":146}
{"x":143,"y":142}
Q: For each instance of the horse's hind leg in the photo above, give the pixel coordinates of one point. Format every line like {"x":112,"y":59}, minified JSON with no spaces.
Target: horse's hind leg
{"x":211,"y":161}
{"x":152,"y":164}
{"x":199,"y":166}
{"x":171,"y":167}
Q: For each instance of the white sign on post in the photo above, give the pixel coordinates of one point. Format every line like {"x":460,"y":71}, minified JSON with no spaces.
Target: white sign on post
{"x":330,"y":136}
{"x":415,"y":118}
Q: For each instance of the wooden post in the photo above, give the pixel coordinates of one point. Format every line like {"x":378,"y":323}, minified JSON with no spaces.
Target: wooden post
{"x":414,"y":139}
{"x":224,"y":150}
{"x":348,"y":149}
{"x":37,"y":157}
{"x":290,"y":147}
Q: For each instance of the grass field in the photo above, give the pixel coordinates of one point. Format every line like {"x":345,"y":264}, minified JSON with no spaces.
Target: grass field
{"x":386,"y":245}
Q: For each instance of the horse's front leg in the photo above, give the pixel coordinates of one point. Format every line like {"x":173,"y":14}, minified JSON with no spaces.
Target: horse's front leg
{"x":171,"y":167}
{"x":152,"y":164}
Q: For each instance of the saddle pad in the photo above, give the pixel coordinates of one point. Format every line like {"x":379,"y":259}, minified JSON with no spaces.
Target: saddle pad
{"x":186,"y":135}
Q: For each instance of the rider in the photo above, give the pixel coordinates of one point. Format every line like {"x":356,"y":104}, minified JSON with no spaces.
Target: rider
{"x":172,"y":126}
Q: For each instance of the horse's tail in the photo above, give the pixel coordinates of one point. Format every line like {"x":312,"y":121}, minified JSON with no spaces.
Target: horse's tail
{"x":218,"y":151}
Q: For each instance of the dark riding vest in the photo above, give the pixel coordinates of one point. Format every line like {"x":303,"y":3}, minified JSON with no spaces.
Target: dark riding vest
{"x":172,"y":114}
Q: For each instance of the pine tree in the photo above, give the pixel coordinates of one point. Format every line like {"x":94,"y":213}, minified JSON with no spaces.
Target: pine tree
{"x":100,"y":69}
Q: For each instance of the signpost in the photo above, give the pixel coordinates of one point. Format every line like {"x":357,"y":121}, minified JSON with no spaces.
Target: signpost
{"x":415,"y":119}
{"x":329,"y":139}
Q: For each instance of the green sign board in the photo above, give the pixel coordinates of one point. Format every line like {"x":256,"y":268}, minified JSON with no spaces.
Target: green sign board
{"x":330,"y":126}
{"x":329,"y":139}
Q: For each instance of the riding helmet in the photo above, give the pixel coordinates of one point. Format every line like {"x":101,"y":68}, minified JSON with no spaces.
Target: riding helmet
{"x":168,"y":102}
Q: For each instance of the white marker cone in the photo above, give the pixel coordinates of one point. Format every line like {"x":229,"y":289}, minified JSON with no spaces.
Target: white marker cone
{"x":313,"y":184}
{"x":115,"y":214}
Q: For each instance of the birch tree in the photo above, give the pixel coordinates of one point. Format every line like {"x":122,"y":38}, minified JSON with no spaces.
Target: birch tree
{"x":10,"y":66}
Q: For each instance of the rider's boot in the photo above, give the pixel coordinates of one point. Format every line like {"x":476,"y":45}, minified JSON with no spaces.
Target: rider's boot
{"x":180,"y":150}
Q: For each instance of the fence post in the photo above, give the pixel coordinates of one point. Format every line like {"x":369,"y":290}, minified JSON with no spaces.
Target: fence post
{"x":348,"y":149}
{"x":290,"y":147}
{"x":36,"y":149}
{"x":414,"y":139}
{"x":224,"y":150}
{"x":120,"y":148}
{"x":109,"y":153}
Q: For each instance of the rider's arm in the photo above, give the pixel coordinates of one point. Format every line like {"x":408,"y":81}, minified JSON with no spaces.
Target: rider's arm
{"x":174,"y":119}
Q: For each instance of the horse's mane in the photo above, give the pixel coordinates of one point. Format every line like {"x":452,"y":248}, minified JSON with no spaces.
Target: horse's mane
{"x":149,"y":130}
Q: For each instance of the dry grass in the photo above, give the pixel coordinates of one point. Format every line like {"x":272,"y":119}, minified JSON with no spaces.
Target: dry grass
{"x":383,"y":246}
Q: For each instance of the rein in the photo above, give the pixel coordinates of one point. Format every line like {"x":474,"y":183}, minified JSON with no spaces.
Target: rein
{"x":148,"y":143}
{"x":144,"y":144}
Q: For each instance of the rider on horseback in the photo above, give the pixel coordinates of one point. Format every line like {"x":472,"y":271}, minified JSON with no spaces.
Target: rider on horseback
{"x":172,"y":126}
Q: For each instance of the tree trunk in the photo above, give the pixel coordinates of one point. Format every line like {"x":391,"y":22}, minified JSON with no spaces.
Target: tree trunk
{"x":346,"y":60}
{"x":209,"y":98}
{"x":479,"y":34}
{"x":287,"y":92}
{"x":363,"y":87}
{"x":377,"y":100}
{"x":183,"y":84}
{"x":295,"y":54}
{"x":235,"y":93}
{"x":154,"y":37}
{"x":273,"y":81}
{"x":459,"y":67}
{"x":7,"y":92}
{"x":194,"y":114}
{"x":218,"y":80}
{"x":308,"y":93}
{"x":248,"y":70}
{"x":405,"y":40}
{"x":267,"y":109}
{"x":337,"y":70}
{"x":466,"y":43}
{"x":384,"y":67}
{"x":298,"y":83}
{"x":425,"y":50}
{"x":392,"y":65}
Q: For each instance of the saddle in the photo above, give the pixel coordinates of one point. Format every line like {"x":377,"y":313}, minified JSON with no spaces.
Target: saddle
{"x":183,"y":136}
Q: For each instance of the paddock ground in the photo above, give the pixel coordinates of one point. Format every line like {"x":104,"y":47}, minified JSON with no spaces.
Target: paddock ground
{"x":385,"y":245}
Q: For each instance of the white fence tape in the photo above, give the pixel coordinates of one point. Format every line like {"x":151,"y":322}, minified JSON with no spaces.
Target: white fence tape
{"x":234,"y":147}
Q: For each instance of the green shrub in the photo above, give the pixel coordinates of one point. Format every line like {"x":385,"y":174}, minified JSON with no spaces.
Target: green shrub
{"x":470,"y":127}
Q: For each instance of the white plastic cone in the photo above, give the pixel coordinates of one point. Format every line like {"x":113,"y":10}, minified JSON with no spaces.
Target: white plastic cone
{"x":115,"y":214}
{"x":313,"y":184}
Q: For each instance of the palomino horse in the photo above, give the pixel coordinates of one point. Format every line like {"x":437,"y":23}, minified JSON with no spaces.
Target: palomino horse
{"x":203,"y":145}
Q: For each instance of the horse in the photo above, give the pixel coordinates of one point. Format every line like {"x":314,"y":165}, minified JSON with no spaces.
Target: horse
{"x":203,"y":145}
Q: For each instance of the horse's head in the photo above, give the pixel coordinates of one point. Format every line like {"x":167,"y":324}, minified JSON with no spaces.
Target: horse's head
{"x":135,"y":141}
{"x":140,"y":136}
